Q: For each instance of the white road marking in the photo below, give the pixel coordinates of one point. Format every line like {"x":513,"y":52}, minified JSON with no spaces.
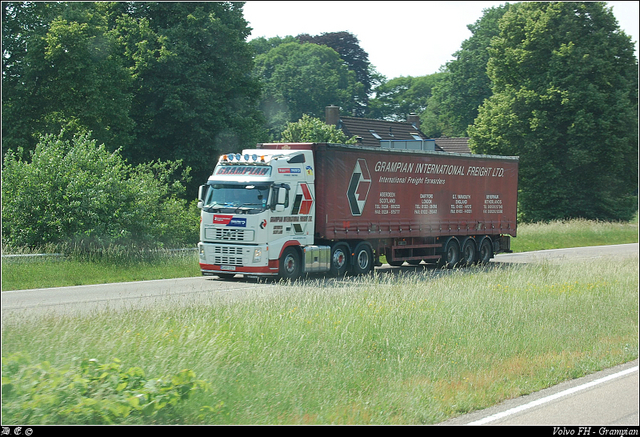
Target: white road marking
{"x":552,"y":397}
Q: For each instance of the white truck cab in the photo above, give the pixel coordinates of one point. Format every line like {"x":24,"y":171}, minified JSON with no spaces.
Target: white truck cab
{"x":254,"y":206}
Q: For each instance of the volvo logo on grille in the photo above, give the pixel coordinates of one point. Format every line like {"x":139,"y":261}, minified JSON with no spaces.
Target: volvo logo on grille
{"x":359,"y":187}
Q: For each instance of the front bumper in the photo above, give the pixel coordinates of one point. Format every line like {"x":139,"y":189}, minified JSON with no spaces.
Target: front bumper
{"x":228,"y":259}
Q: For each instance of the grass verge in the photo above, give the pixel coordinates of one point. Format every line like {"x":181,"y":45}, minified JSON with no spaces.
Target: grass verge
{"x":118,"y":267}
{"x":573,"y":233}
{"x":26,"y":273}
{"x":381,"y":349}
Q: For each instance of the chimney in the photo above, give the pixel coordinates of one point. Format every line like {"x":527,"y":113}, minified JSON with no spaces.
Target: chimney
{"x":332,"y":115}
{"x":414,"y":119}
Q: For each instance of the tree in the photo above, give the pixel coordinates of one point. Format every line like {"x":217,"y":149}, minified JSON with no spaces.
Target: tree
{"x":160,"y":80}
{"x":262,"y":45}
{"x":464,"y":83}
{"x":303,"y":79}
{"x":62,"y":68}
{"x":74,"y":191}
{"x":565,"y":90}
{"x":397,"y":98}
{"x":313,"y":130}
{"x":357,"y":60}
{"x":195,"y":98}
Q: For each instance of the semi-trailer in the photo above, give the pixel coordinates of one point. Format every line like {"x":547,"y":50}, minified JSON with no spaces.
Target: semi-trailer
{"x":286,"y":209}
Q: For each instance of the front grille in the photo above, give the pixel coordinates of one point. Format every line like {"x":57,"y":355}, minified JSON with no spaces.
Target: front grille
{"x":228,"y":255}
{"x":221,"y":234}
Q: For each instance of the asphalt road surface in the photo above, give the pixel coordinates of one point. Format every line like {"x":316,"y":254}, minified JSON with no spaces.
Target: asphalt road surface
{"x":88,"y":298}
{"x":605,"y":398}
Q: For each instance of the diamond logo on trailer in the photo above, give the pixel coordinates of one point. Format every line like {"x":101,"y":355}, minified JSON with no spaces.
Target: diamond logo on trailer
{"x":359,"y":187}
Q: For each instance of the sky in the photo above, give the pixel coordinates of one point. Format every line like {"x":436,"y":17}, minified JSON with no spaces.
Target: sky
{"x":402,"y":38}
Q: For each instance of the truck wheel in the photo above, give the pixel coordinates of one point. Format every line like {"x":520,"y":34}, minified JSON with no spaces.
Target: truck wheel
{"x":486,"y":251}
{"x":451,"y":256}
{"x":469,"y":254}
{"x":363,"y":261}
{"x":339,"y":259}
{"x":289,"y":264}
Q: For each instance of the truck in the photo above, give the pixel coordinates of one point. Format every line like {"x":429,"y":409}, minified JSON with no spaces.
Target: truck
{"x":284,"y":210}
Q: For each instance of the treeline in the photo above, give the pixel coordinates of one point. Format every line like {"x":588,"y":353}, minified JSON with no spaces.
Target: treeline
{"x":160,"y":81}
{"x":177,"y":82}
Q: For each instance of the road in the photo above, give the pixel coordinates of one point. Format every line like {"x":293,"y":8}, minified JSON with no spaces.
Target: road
{"x":88,"y":298}
{"x":609,"y":397}
{"x":612,"y":401}
{"x":575,"y":253}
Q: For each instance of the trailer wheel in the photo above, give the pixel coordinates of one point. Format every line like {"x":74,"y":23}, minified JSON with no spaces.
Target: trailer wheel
{"x":363,"y":259}
{"x":486,"y":251}
{"x":339,"y":259}
{"x":289,"y":264}
{"x":469,"y":253}
{"x":451,"y":256}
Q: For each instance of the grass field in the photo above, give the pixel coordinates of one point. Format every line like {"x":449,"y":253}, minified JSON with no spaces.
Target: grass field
{"x":382,"y":349}
{"x":416,"y":348}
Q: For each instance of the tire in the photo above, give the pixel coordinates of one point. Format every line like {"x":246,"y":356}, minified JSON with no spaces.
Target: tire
{"x":290,"y":264}
{"x":339,"y":259}
{"x":451,"y":255}
{"x":363,"y":259}
{"x":469,"y":253}
{"x":486,"y":251}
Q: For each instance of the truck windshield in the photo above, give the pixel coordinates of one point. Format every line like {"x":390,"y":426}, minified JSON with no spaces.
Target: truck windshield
{"x":237,"y":198}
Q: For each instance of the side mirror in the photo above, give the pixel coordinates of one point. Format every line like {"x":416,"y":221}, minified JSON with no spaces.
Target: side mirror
{"x":200,"y":204}
{"x":282,"y":196}
{"x":280,"y":200}
{"x":201,"y":192}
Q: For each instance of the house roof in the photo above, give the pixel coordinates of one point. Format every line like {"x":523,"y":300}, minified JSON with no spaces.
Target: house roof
{"x":373,"y":131}
{"x":453,"y":145}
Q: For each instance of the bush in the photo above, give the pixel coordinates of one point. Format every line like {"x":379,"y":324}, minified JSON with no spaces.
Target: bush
{"x":89,"y":393}
{"x":75,"y":192}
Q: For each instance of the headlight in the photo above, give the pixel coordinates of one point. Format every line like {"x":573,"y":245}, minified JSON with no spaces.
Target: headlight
{"x":257,"y":255}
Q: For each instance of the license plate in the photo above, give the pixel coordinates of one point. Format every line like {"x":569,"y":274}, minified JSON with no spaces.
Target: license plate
{"x":228,"y":268}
